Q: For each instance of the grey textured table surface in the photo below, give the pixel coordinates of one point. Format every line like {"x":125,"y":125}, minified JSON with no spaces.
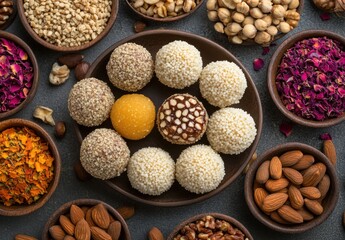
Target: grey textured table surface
{"x":231,"y":200}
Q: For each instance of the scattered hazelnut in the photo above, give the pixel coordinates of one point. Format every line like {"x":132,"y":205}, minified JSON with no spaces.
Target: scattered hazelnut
{"x":70,"y":60}
{"x":139,"y":26}
{"x":60,"y":129}
{"x":81,"y":70}
{"x":81,"y":173}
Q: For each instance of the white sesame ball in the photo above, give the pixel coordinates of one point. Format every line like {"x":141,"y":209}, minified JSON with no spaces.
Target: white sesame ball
{"x":230,"y":130}
{"x":178,"y":64}
{"x":151,"y":171}
{"x":222,"y":83}
{"x":104,"y":154}
{"x":199,"y":169}
{"x":90,"y":101}
{"x":130,"y":67}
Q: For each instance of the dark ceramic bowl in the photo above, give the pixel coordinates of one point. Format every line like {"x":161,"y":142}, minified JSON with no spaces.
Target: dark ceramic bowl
{"x":166,"y":19}
{"x":33,"y":34}
{"x":64,"y":209}
{"x":233,"y":222}
{"x":18,"y":210}
{"x":35,"y":79}
{"x":157,"y":92}
{"x":328,"y":202}
{"x":272,"y":73}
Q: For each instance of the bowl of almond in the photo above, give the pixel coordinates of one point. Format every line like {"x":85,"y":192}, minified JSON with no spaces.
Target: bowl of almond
{"x":86,"y":219}
{"x":291,"y":188}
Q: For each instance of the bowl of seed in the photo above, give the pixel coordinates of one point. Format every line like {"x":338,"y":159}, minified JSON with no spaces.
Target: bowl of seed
{"x":164,"y":11}
{"x":19,"y":74}
{"x":67,"y":26}
{"x":30,"y":167}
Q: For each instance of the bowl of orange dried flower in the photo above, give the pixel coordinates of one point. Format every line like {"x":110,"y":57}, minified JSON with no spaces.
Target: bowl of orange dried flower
{"x":30,"y":167}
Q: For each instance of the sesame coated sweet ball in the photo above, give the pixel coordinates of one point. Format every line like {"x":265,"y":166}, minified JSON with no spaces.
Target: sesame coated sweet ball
{"x":130,"y":67}
{"x":104,"y":154}
{"x":230,"y":130}
{"x":133,"y":116}
{"x":90,"y":101}
{"x":199,"y":169}
{"x":151,"y":171}
{"x":222,"y":83}
{"x":178,"y":64}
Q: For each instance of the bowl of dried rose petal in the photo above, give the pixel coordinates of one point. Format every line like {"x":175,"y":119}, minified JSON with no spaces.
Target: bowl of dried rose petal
{"x":20,"y":74}
{"x":30,"y":167}
{"x":306,"y":78}
{"x":210,"y":226}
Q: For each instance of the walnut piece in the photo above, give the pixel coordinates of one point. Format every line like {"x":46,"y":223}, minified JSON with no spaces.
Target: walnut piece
{"x":59,"y":74}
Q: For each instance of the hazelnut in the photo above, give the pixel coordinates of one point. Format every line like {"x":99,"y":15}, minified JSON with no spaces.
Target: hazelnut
{"x":70,"y":60}
{"x":81,"y":70}
{"x":139,"y":26}
{"x":60,"y":129}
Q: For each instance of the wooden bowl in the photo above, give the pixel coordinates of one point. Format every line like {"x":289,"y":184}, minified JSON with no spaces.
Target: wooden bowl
{"x":35,"y":79}
{"x":64,"y":209}
{"x":328,"y":203}
{"x":157,"y":92}
{"x":166,"y":19}
{"x":272,"y":73}
{"x":111,"y":20}
{"x":220,"y":216}
{"x":10,"y":20}
{"x":18,"y":210}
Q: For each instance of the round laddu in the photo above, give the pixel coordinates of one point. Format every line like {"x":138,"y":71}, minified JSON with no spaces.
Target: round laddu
{"x":182,"y":119}
{"x":151,"y":171}
{"x":90,"y":101}
{"x":222,"y":83}
{"x":178,"y":64}
{"x":104,"y":154}
{"x":199,"y":169}
{"x":230,"y":130}
{"x":130,"y":67}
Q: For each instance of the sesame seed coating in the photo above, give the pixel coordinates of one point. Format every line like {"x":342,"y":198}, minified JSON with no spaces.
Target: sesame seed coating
{"x":178,"y":64}
{"x":130,"y":67}
{"x":222,"y":83}
{"x":199,"y":169}
{"x":151,"y":171}
{"x":104,"y":154}
{"x":90,"y":101}
{"x":230,"y":130}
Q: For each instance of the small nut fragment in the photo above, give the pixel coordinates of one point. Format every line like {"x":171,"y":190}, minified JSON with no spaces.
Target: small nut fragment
{"x":24,"y":237}
{"x":59,"y":74}
{"x":81,"y":70}
{"x":139,"y":26}
{"x":60,"y":129}
{"x":70,"y":60}
{"x":219,"y":27}
{"x":45,"y":114}
{"x":155,"y":234}
{"x":126,"y":211}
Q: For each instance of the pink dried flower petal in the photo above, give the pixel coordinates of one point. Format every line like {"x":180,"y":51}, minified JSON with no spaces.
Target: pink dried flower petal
{"x":258,"y":63}
{"x":325,"y":136}
{"x":325,"y":16}
{"x":23,"y":55}
{"x":285,"y":128}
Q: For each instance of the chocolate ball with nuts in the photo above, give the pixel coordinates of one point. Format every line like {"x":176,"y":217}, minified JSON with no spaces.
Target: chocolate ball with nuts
{"x":182,"y":119}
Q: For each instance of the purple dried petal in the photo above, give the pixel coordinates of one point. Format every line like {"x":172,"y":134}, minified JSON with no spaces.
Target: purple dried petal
{"x":265,"y":50}
{"x":325,"y":16}
{"x":15,"y":68}
{"x":258,"y":63}
{"x":286,"y":128}
{"x":14,"y":88}
{"x":325,"y":136}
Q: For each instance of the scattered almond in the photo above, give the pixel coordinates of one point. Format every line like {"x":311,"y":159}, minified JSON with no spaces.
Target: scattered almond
{"x":100,"y":216}
{"x":263,"y":172}
{"x":275,"y":168}
{"x":323,"y":186}
{"x":306,"y":215}
{"x":56,"y":232}
{"x":76,"y":214}
{"x":276,"y":185}
{"x":290,"y":158}
{"x":66,"y":224}
{"x":310,"y":192}
{"x":155,"y":234}
{"x":82,"y":230}
{"x":329,"y":151}
{"x":24,"y":237}
{"x":289,"y":214}
{"x":274,"y":201}
{"x":305,"y":162}
{"x":126,"y":212}
{"x":114,"y":230}
{"x":295,"y":197}
{"x":313,"y":206}
{"x":293,"y":175}
{"x":259,"y":195}
{"x":99,"y":234}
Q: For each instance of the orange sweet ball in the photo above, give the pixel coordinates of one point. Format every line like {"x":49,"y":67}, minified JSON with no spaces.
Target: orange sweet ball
{"x":133,"y":116}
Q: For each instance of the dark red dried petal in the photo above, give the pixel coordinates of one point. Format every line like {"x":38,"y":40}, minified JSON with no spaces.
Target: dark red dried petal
{"x":325,"y":16}
{"x":325,"y":136}
{"x":285,"y":128}
{"x":258,"y":63}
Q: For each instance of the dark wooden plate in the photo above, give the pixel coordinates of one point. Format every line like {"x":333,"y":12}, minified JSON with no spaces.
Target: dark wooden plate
{"x":210,"y":51}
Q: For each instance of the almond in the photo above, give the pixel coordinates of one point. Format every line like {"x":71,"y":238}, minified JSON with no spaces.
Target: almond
{"x":68,"y":237}
{"x":155,"y":234}
{"x":84,"y":208}
{"x":275,"y":216}
{"x":276,"y":185}
{"x":76,"y":214}
{"x":289,"y":214}
{"x":322,"y":167}
{"x":274,"y":201}
{"x":293,"y":175}
{"x":56,"y":232}
{"x":99,"y":234}
{"x":82,"y":230}
{"x":24,"y":237}
{"x":263,"y":172}
{"x":100,"y":216}
{"x":310,"y":176}
{"x":284,"y":190}
{"x":275,"y":168}
{"x":310,"y":192}
{"x":313,"y":206}
{"x":114,"y":230}
{"x":126,"y":212}
{"x":290,"y":158}
{"x":329,"y":151}
{"x":66,"y":224}
{"x":88,"y":217}
{"x":305,"y":162}
{"x":259,"y":195}
{"x":306,"y":215}
{"x":295,"y":197}
{"x":323,"y":186}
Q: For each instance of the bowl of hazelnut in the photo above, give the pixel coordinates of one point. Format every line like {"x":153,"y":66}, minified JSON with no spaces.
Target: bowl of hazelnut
{"x":291,"y":188}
